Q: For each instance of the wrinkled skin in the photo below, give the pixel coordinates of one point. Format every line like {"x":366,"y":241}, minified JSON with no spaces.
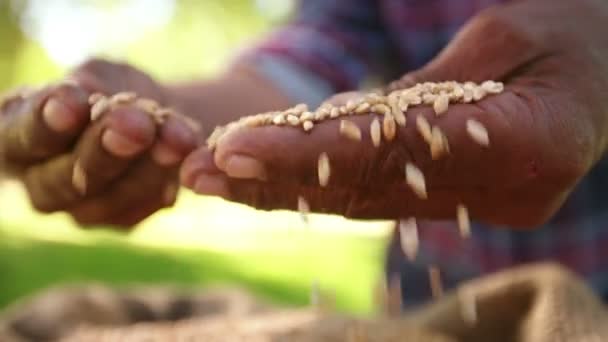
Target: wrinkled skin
{"x":547,"y":129}
{"x":131,"y":164}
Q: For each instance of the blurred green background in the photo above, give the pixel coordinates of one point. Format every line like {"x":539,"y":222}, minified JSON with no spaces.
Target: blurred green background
{"x":202,"y":241}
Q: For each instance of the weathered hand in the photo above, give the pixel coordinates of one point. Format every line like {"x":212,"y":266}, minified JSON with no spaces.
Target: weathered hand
{"x":129,"y":163}
{"x":547,"y":129}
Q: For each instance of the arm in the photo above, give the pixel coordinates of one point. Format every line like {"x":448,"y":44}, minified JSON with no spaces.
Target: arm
{"x":547,"y":130}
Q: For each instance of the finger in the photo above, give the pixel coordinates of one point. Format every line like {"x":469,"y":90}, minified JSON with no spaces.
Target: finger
{"x":105,"y":151}
{"x":287,"y":154}
{"x":45,"y":124}
{"x":176,"y":140}
{"x":144,"y":189}
{"x":200,"y":174}
{"x":98,"y":75}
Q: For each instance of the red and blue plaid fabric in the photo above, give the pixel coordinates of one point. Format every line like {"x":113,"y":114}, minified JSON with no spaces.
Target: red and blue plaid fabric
{"x":334,"y":46}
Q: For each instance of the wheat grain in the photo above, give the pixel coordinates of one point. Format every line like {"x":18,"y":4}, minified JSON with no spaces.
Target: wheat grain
{"x":308,"y":116}
{"x":478,"y":132}
{"x":123,"y":97}
{"x":93,"y":98}
{"x":395,"y":104}
{"x":428,"y":98}
{"x":389,"y":127}
{"x":493,"y":87}
{"x":303,"y":208}
{"x":147,"y":105}
{"x":381,"y":109}
{"x":362,"y":108}
{"x":441,"y":104}
{"x":375,"y":132}
{"x":464,"y":224}
{"x":293,"y":120}
{"x":468,"y":305}
{"x":350,"y":130}
{"x":396,"y":111}
{"x":478,"y":93}
{"x":307,"y":125}
{"x":79,"y":178}
{"x":435,"y":281}
{"x":424,"y":128}
{"x":99,"y":108}
{"x":415,"y":179}
{"x":279,"y":120}
{"x":438,"y":144}
{"x":323,"y":169}
{"x":334,"y":112}
{"x":408,"y":232}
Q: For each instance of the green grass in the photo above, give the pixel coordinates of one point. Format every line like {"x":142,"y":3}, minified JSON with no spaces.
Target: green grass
{"x":269,"y":254}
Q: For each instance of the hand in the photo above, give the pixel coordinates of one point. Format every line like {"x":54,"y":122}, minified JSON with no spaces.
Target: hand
{"x":129,"y":162}
{"x":547,"y":129}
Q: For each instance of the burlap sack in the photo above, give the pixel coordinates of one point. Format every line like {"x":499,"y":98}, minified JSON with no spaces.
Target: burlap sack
{"x":537,"y":303}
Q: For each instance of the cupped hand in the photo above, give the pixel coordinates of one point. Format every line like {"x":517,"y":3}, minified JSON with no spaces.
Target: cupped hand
{"x":546,"y":130}
{"x":126,"y":163}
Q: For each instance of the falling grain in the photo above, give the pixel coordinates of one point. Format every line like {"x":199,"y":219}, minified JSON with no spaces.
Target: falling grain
{"x":408,"y":232}
{"x":375,"y":132}
{"x":79,"y":178}
{"x":438,"y":144}
{"x":303,"y":209}
{"x":394,"y":295}
{"x":464,"y":224}
{"x":468,"y":305}
{"x":415,"y":179}
{"x":323,"y":169}
{"x":441,"y":104}
{"x":350,"y":130}
{"x":99,"y":108}
{"x":478,"y":132}
{"x":389,"y":127}
{"x":424,"y":128}
{"x":435,"y":281}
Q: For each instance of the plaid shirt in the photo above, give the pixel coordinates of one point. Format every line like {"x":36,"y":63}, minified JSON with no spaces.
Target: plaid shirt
{"x":333,"y":46}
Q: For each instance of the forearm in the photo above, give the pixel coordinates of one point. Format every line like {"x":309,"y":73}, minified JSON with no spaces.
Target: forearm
{"x":239,"y":91}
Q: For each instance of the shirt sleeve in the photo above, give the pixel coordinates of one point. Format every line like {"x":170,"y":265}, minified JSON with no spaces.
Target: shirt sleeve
{"x":328,"y":47}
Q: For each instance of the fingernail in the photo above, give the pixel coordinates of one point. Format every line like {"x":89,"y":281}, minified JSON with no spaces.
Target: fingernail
{"x":119,"y":145}
{"x":164,"y":155}
{"x":57,"y":116}
{"x":240,"y":166}
{"x":211,"y":185}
